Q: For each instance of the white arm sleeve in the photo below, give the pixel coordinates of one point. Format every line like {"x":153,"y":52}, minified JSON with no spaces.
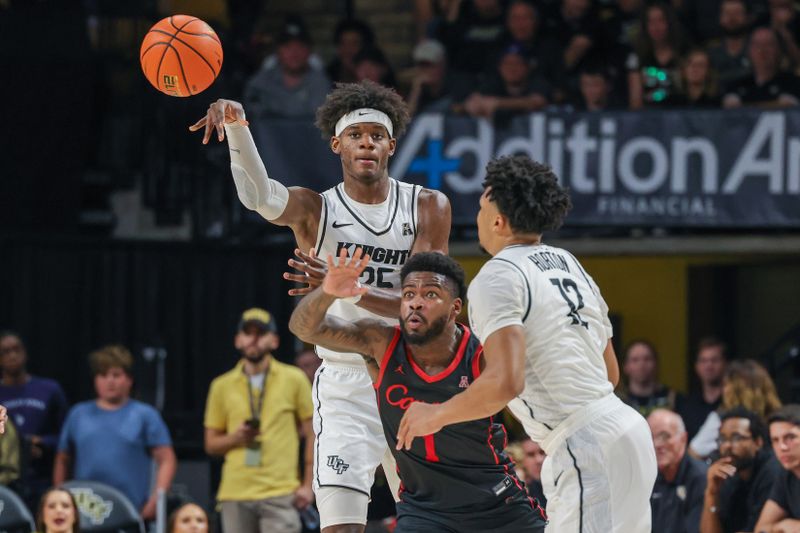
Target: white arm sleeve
{"x":256,"y":191}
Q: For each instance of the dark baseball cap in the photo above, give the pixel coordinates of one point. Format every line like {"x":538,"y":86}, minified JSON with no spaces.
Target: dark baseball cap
{"x":294,"y":29}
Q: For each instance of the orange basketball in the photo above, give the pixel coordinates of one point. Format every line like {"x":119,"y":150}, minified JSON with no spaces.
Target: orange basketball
{"x":181,"y":55}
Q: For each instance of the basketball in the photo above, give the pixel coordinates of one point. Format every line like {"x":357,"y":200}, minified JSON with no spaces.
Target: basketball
{"x":181,"y":55}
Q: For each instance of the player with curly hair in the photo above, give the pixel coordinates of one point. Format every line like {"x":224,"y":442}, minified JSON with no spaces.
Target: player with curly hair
{"x":548,"y":355}
{"x":387,"y":218}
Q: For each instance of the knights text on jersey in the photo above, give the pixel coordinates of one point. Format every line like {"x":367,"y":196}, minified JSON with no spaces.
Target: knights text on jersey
{"x":463,"y":467}
{"x":385,"y":231}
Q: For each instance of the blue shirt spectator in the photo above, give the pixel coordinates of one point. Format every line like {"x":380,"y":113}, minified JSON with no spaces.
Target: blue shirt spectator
{"x":115,"y":439}
{"x":113,"y":446}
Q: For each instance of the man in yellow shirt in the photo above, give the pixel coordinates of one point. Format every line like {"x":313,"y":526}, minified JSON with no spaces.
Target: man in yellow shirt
{"x":252,"y":417}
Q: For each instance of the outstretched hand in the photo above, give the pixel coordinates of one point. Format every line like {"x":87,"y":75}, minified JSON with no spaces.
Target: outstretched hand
{"x":220,"y":113}
{"x":313,"y":271}
{"x":341,"y":280}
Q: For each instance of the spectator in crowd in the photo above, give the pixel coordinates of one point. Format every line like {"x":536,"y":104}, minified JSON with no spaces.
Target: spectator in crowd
{"x":729,"y":55}
{"x":738,"y":483}
{"x":709,"y":366}
{"x":532,"y":459}
{"x":290,"y":87}
{"x":10,"y":464}
{"x":3,"y":418}
{"x":746,"y":384}
{"x":522,"y":27}
{"x":697,"y":86}
{"x":643,"y":392}
{"x":430,"y":16}
{"x":621,"y":20}
{"x":188,"y":518}
{"x":350,"y":37}
{"x":432,"y":91}
{"x":115,"y":439}
{"x":575,"y":25}
{"x":768,"y":86}
{"x":252,"y":418}
{"x":473,"y":33}
{"x":37,"y":406}
{"x":784,"y":19}
{"x":371,"y":64}
{"x":781,"y":512}
{"x":677,"y":499}
{"x":653,"y":70}
{"x":513,"y":91}
{"x":58,"y":512}
{"x":308,"y":361}
{"x":595,"y":89}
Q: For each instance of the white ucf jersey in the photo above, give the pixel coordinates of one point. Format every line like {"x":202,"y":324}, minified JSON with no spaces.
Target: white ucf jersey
{"x":386,"y":231}
{"x":546,"y":291}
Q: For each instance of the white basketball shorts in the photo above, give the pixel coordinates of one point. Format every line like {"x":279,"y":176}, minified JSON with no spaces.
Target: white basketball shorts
{"x":350,"y":443}
{"x":598,"y":479}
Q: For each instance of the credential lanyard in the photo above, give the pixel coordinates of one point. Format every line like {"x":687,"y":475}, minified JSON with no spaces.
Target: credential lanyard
{"x":255,"y":410}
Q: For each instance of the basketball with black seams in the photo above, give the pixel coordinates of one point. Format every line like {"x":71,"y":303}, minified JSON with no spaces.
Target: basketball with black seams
{"x":181,"y":55}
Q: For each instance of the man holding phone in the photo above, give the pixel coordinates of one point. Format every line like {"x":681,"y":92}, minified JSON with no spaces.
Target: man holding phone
{"x":252,"y":417}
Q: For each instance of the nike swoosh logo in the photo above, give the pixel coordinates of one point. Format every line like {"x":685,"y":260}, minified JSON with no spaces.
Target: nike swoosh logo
{"x":235,"y":150}
{"x":338,"y":225}
{"x":360,"y":114}
{"x":555,"y":481}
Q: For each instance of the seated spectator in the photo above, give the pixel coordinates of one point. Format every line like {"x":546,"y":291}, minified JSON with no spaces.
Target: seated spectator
{"x":522,"y":25}
{"x":37,"y":406}
{"x":473,"y":34}
{"x":677,"y":499}
{"x":781,"y":512}
{"x":115,"y":439}
{"x":653,"y":70}
{"x":290,"y":87}
{"x":697,"y":85}
{"x":784,"y":19}
{"x":767,"y":87}
{"x":431,"y":15}
{"x":532,"y":459}
{"x":746,"y":384}
{"x":349,"y":37}
{"x":432,"y":90}
{"x":576,"y":28}
{"x":308,"y":361}
{"x":710,"y":368}
{"x":595,"y":90}
{"x":188,"y":518}
{"x":58,"y":512}
{"x":729,"y":55}
{"x":738,"y":483}
{"x":371,"y":64}
{"x":10,"y":464}
{"x":643,"y":392}
{"x":515,"y":90}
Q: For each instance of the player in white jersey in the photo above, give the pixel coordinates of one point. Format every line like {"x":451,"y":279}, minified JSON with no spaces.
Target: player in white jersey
{"x":548,"y":355}
{"x":369,"y":209}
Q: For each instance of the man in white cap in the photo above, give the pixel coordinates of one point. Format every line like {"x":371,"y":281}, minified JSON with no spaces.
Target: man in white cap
{"x":388,"y":219}
{"x":430,"y":90}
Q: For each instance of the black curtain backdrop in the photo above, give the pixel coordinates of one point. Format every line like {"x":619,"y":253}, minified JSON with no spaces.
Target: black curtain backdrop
{"x":68,"y":297}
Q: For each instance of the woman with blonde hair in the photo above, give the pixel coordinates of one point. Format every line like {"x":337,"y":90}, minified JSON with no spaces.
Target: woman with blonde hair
{"x":746,"y":384}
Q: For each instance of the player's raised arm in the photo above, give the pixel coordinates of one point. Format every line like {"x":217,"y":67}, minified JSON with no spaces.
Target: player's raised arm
{"x":296,"y":207}
{"x":311,"y":323}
